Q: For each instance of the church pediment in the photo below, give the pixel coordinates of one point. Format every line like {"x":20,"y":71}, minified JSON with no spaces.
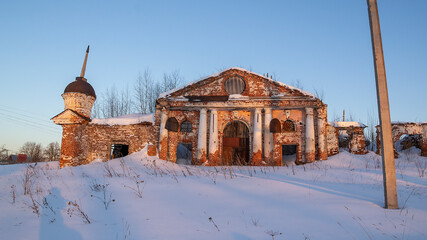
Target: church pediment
{"x":69,"y":116}
{"x":235,"y":84}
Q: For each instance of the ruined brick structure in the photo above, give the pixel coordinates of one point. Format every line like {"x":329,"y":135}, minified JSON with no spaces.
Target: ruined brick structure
{"x":239,"y":117}
{"x":234,"y":117}
{"x":406,"y":128}
{"x":351,"y":136}
{"x":332,"y":139}
{"x":83,"y":140}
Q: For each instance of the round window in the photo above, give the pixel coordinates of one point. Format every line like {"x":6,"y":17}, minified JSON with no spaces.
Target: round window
{"x":235,"y":85}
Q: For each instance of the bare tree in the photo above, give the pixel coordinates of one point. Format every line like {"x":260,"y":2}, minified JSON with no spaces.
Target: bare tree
{"x":124,"y":102}
{"x":96,"y":109}
{"x":319,"y":93}
{"x":4,"y":153}
{"x":113,"y":103}
{"x":33,"y":150}
{"x":297,"y":83}
{"x":371,"y":131}
{"x":52,"y":152}
{"x":171,"y":80}
{"x":143,"y":91}
{"x":111,"y":106}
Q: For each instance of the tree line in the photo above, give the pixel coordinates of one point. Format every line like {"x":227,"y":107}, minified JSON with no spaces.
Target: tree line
{"x":141,"y":98}
{"x":35,"y":151}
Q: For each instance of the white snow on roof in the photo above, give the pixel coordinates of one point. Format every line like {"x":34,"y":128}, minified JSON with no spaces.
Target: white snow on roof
{"x":161,"y":95}
{"x":238,"y":97}
{"x":125,"y":119}
{"x":347,"y":124}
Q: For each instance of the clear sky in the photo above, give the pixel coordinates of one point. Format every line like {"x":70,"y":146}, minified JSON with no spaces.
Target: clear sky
{"x":325,"y":45}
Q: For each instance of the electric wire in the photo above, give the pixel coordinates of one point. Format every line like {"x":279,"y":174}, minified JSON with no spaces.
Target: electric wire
{"x":50,"y":129}
{"x":34,"y":117}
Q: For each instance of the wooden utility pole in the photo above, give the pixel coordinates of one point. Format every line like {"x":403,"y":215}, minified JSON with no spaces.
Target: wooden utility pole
{"x":389,"y":172}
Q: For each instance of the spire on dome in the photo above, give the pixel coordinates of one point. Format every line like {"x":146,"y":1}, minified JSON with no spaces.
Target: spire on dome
{"x":82,"y":74}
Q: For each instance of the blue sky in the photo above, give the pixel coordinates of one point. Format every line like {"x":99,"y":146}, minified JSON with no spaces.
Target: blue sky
{"x":325,"y":45}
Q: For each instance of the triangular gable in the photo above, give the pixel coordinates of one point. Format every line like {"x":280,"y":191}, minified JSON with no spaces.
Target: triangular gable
{"x":69,"y":116}
{"x":280,"y":89}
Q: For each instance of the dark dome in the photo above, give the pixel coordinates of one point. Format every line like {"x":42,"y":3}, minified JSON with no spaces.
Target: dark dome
{"x":80,"y":86}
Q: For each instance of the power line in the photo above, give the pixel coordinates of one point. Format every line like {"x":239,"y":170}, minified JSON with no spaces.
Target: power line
{"x":25,"y":115}
{"x":15,"y":120}
{"x":30,"y":122}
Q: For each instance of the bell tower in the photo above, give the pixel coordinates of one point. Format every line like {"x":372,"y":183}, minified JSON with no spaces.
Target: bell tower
{"x":79,"y":97}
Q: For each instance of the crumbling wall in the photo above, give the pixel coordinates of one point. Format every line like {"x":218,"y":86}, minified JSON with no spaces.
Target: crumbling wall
{"x":74,"y":144}
{"x":351,"y":136}
{"x":401,"y":128}
{"x":332,"y":140}
{"x":101,"y":137}
{"x":289,"y":138}
{"x":357,"y":141}
{"x":174,"y":138}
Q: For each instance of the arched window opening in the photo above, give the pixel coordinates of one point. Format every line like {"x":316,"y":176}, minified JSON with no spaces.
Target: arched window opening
{"x":289,"y":126}
{"x":172,"y":124}
{"x":275,"y":126}
{"x":236,"y":144}
{"x":186,"y":126}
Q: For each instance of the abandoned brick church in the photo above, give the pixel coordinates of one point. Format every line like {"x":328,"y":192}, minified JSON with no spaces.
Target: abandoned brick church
{"x":234,"y":117}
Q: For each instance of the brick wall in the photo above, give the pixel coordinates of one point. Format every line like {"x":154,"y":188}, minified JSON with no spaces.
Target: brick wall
{"x":83,"y":143}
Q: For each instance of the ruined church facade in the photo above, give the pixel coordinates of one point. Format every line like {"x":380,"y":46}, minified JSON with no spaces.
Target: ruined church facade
{"x":239,"y":117}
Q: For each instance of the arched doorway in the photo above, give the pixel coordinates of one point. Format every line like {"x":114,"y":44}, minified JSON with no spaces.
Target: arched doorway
{"x":236,"y":144}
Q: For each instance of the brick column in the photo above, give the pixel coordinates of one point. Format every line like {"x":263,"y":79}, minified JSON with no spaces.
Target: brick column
{"x":213,"y":138}
{"x":257,"y":140}
{"x":163,"y":139}
{"x":357,"y":141}
{"x":309,"y":136}
{"x":201,"y":139}
{"x":268,"y":136}
{"x":321,"y":134}
{"x":424,"y":140}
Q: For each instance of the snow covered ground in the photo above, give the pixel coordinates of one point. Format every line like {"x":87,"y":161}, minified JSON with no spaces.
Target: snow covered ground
{"x":140,"y":197}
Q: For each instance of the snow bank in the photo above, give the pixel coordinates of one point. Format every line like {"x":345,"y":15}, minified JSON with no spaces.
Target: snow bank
{"x":142,"y":197}
{"x":125,"y":119}
{"x":347,"y":124}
